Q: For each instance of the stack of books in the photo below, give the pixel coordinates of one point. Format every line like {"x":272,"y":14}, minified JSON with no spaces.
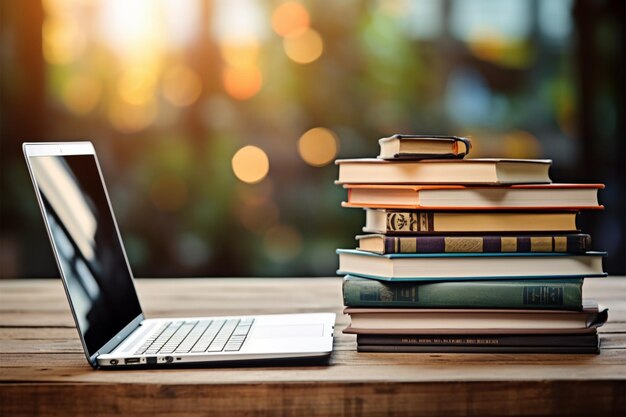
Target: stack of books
{"x":466,"y":255}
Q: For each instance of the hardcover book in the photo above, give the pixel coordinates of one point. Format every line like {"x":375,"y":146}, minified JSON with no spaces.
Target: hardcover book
{"x":423,"y":147}
{"x":479,"y":349}
{"x":579,"y":340}
{"x":468,"y":321}
{"x":480,"y":343}
{"x":556,"y":294}
{"x":444,"y":171}
{"x":457,"y":197}
{"x":469,"y":266}
{"x":425,"y":221}
{"x":378,"y":243}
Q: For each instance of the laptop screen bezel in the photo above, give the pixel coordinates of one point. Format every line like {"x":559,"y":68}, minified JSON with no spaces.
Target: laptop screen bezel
{"x":33,"y":149}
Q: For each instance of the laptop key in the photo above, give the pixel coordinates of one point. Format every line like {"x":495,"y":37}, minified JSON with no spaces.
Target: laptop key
{"x":208,"y":336}
{"x":193,"y":337}
{"x":177,"y":337}
{"x":220,"y":340}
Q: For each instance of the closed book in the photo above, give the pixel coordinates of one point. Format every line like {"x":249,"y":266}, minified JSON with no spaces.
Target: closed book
{"x":470,"y":321}
{"x":479,"y":349}
{"x":444,"y":171}
{"x":579,"y":340}
{"x":429,"y":222}
{"x":378,"y":243}
{"x":416,"y":147}
{"x":562,"y":294}
{"x":469,"y":266}
{"x":460,"y":197}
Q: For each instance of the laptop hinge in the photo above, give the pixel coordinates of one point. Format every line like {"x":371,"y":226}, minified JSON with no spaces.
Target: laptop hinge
{"x":120,"y":337}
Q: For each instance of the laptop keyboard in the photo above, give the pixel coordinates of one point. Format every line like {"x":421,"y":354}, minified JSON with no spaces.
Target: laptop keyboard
{"x":197,"y":336}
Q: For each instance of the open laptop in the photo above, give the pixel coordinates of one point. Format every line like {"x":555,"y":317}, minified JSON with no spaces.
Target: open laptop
{"x":99,"y":283}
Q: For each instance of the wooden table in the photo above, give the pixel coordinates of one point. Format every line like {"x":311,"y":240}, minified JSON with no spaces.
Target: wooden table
{"x":43,"y":369}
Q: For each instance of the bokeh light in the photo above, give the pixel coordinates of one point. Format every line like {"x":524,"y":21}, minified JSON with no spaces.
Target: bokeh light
{"x":242,"y":83}
{"x":290,"y":17}
{"x":318,"y":146}
{"x":240,"y":55}
{"x":304,"y":46}
{"x":250,"y":164}
{"x":181,"y":86}
{"x":81,"y":93}
{"x":137,"y":85}
{"x":62,"y":40}
{"x":128,"y":118}
{"x":521,"y":144}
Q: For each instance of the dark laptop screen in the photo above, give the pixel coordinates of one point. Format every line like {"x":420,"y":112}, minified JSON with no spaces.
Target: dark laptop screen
{"x":88,"y":249}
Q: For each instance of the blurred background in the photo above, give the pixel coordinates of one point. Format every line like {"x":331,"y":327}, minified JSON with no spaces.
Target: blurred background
{"x":217,"y":121}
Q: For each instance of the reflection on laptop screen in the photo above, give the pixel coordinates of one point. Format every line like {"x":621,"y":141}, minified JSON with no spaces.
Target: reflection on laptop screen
{"x":89,"y":251}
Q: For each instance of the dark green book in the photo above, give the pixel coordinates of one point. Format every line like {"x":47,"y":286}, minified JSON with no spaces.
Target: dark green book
{"x":550,"y":294}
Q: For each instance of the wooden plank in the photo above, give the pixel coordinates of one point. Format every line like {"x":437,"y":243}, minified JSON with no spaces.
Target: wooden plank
{"x":556,"y":398}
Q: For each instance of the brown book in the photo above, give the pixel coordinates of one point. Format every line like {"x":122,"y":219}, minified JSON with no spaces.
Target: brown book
{"x":377,"y":243}
{"x":475,"y":321}
{"x":425,"y":222}
{"x":417,"y":147}
{"x":444,"y":171}
{"x":458,"y":197}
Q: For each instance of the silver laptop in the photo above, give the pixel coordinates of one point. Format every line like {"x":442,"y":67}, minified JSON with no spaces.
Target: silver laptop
{"x":99,"y":283}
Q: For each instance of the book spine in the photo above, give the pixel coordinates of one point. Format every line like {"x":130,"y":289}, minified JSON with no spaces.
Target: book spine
{"x":588,"y":340}
{"x":518,"y":294}
{"x":488,"y":244}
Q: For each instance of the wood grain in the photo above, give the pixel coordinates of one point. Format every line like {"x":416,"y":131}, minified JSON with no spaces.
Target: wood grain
{"x":43,"y":370}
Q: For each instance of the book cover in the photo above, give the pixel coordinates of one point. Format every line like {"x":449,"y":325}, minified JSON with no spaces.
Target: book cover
{"x":378,"y":243}
{"x":480,"y":171}
{"x":416,"y":147}
{"x":562,"y":294}
{"x":396,"y":222}
{"x":475,"y":321}
{"x":460,"y":197}
{"x":469,"y":266}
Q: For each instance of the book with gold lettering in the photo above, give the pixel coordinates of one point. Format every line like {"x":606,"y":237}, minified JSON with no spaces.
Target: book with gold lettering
{"x":379,"y":243}
{"x":481,"y":222}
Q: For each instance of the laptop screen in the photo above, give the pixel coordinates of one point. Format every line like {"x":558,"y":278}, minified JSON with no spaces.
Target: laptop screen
{"x":89,"y":252}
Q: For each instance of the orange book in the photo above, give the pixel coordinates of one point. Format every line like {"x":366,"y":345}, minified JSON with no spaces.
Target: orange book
{"x":457,"y":197}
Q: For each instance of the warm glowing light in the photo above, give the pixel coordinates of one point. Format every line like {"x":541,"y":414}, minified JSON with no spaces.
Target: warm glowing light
{"x":137,"y":85}
{"x":240,"y":55}
{"x":250,"y":164}
{"x":304,"y":46}
{"x":282,"y":243}
{"x":169,"y":193}
{"x":318,"y":146}
{"x":128,"y":118}
{"x":290,"y":17}
{"x":81,"y":94}
{"x":62,"y":40}
{"x":242,"y":83}
{"x":181,"y":86}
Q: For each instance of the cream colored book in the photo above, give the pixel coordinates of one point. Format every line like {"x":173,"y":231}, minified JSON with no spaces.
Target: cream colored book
{"x":424,"y":321}
{"x":444,"y":171}
{"x":423,"y":221}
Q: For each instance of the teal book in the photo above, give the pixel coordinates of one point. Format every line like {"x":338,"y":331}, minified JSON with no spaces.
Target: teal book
{"x":469,"y":266}
{"x":555,"y":294}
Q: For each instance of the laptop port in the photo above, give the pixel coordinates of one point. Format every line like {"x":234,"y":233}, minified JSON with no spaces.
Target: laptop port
{"x":128,"y":361}
{"x":151,"y":360}
{"x":113,"y":362}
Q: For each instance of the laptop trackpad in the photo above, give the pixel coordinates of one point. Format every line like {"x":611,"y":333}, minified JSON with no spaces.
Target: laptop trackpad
{"x":304,"y":330}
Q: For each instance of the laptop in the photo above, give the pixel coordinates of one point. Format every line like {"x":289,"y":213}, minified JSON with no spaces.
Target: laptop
{"x":99,"y":283}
